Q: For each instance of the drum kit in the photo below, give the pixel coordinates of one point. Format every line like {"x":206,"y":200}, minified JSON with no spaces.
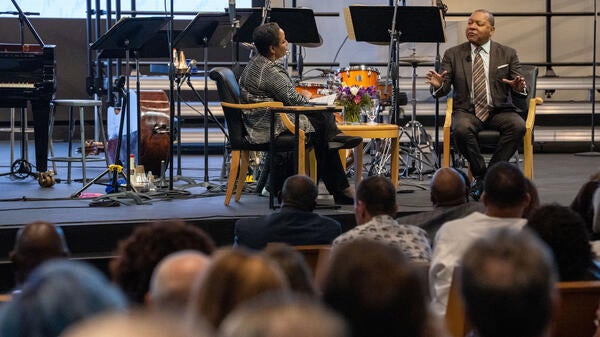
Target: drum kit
{"x":416,"y":151}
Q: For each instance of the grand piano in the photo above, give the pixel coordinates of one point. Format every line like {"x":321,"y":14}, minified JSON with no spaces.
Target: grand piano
{"x":27,"y":81}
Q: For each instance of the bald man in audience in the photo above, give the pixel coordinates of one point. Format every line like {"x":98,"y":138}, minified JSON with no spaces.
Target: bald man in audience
{"x":35,"y":243}
{"x":173,"y":279}
{"x":449,"y":198}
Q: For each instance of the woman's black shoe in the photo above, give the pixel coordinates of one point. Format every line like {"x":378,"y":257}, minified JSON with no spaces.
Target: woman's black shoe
{"x":342,"y":199}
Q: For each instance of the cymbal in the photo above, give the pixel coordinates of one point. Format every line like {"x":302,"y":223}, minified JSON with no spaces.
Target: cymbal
{"x":415,"y":60}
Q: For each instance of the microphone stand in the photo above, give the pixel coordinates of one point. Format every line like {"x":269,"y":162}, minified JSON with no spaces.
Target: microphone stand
{"x":593,"y":152}
{"x":444,"y":8}
{"x":172,"y":71}
{"x":392,"y":70}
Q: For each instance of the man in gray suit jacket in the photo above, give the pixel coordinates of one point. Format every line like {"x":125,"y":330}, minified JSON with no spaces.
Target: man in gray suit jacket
{"x":504,"y":86}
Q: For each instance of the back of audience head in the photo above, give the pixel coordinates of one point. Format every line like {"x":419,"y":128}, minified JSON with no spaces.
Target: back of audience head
{"x":283,"y":314}
{"x":564,"y":232}
{"x":448,"y":188}
{"x":505,"y":186}
{"x":173,"y":279}
{"x":299,"y":191}
{"x":375,"y":195}
{"x":135,"y":324}
{"x":57,"y":294}
{"x":375,"y":289}
{"x":146,"y":246}
{"x":35,"y":243}
{"x":292,"y":264}
{"x":507,"y":282}
{"x":583,"y":203}
{"x":534,"y":199}
{"x":234,"y":276}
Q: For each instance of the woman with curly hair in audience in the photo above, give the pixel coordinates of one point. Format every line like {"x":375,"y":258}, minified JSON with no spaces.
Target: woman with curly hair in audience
{"x":137,"y":255}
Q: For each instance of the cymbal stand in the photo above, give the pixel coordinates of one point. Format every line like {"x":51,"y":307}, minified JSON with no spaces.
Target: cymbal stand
{"x":419,"y":142}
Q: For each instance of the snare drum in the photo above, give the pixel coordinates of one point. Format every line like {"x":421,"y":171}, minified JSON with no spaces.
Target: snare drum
{"x":361,"y":76}
{"x":316,"y":89}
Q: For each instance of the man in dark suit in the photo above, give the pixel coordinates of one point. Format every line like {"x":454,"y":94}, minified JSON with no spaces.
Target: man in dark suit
{"x":294,"y":223}
{"x":487,"y":86}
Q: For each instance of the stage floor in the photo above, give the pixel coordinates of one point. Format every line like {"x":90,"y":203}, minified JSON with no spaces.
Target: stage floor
{"x":557,"y":176}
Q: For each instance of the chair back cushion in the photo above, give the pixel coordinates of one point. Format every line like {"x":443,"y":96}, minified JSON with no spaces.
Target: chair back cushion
{"x":229,"y":92}
{"x":227,"y":85}
{"x":530,"y":74}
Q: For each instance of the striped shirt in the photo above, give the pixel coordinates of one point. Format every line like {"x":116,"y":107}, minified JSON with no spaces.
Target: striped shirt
{"x":262,"y":81}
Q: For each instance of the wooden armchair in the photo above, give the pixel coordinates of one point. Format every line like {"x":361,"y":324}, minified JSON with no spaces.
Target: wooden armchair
{"x":229,"y":93}
{"x":489,"y":138}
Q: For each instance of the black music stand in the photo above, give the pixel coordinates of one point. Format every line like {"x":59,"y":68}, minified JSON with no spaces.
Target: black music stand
{"x":128,"y":35}
{"x":298,"y":23}
{"x":411,"y":24}
{"x":206,"y":30}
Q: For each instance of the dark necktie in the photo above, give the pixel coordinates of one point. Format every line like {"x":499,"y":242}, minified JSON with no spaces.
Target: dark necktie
{"x":479,"y":87}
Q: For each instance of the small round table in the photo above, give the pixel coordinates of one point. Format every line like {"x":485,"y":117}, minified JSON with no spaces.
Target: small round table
{"x":381,"y":130}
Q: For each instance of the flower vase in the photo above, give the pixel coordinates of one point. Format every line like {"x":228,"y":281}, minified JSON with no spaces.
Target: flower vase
{"x":352,"y":114}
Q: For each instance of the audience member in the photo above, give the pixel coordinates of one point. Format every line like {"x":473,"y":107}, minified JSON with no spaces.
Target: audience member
{"x":449,"y":198}
{"x":374,"y":210}
{"x":564,"y":232}
{"x":57,"y":294}
{"x":534,"y":199}
{"x":507,"y":283}
{"x":583,"y":203}
{"x":373,"y":286}
{"x":135,"y":324}
{"x":233,"y":277}
{"x":276,"y":316}
{"x":505,"y":198}
{"x":35,"y":243}
{"x":292,"y":264}
{"x":173,"y":279}
{"x":294,"y":223}
{"x":137,"y":255}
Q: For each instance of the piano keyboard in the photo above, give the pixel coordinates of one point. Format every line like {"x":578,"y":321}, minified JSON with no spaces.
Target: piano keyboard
{"x":23,"y":85}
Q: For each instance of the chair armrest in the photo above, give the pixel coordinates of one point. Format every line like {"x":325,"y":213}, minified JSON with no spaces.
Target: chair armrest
{"x":529,"y":122}
{"x":253,"y":105}
{"x":446,"y":132}
{"x":448,"y":118}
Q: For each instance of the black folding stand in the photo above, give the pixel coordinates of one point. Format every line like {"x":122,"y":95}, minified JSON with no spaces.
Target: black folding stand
{"x":409,"y":24}
{"x":128,"y":35}
{"x":206,"y":30}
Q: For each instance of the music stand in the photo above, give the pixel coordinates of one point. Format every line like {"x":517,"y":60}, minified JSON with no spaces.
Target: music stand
{"x":411,"y":24}
{"x":298,"y":24}
{"x":204,"y":31}
{"x":128,"y":35}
